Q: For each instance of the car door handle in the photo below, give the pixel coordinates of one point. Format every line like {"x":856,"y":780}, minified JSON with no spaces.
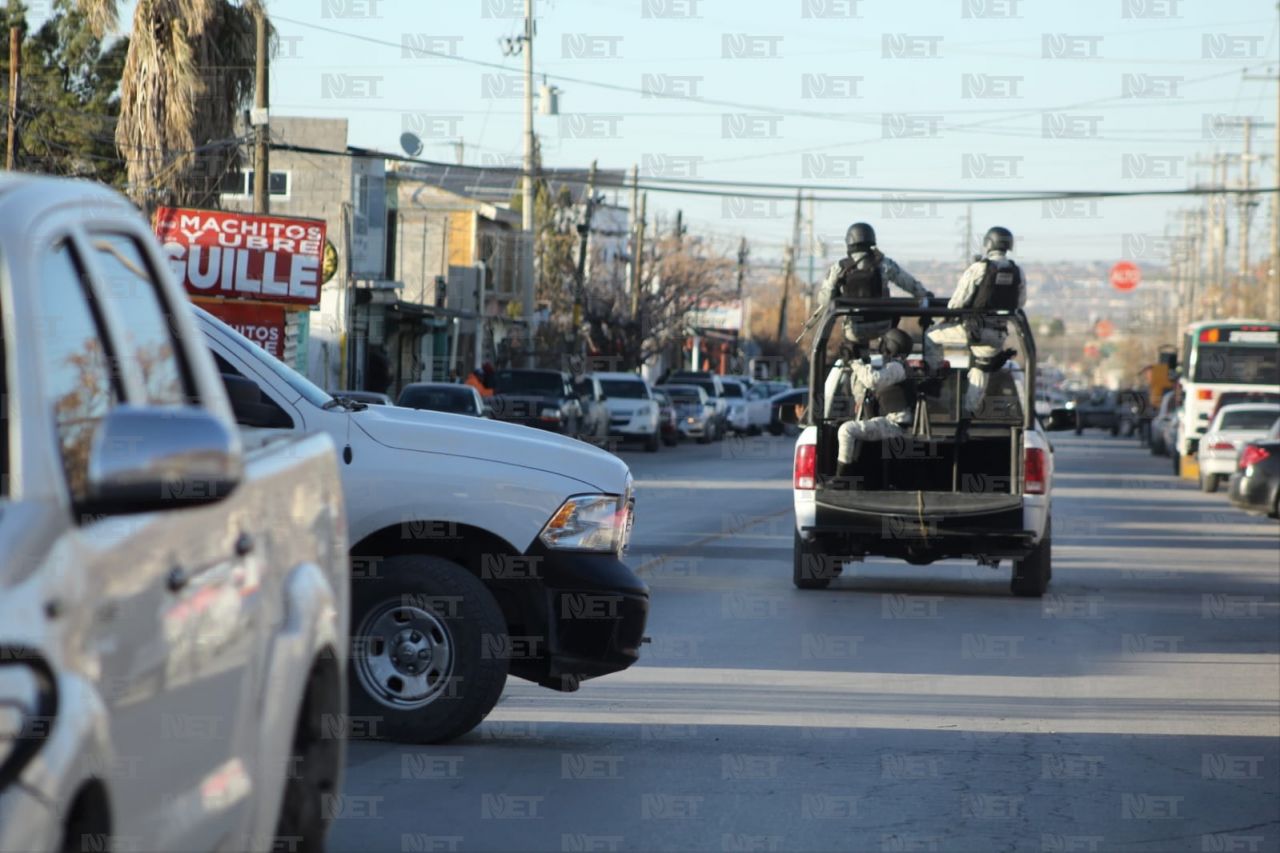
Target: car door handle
{"x":244,"y":545}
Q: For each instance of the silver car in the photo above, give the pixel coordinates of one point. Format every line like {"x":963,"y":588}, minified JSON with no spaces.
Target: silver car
{"x":1232,"y":428}
{"x":173,"y":595}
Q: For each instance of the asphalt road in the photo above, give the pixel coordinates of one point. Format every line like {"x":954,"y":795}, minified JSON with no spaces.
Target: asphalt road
{"x":907,"y":708}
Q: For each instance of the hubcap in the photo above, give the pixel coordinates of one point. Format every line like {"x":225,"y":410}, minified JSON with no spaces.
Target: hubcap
{"x":404,"y":655}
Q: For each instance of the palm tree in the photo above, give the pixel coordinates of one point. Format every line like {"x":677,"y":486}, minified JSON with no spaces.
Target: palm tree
{"x":187,"y":76}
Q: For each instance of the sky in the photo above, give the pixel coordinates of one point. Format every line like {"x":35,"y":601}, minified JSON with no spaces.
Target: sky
{"x":972,"y":95}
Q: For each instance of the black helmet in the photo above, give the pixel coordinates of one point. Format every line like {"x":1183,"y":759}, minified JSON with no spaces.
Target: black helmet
{"x":999,"y":239}
{"x":859,"y":237}
{"x":895,"y":343}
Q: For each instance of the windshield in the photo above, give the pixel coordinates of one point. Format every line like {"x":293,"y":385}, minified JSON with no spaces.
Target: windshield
{"x":1238,"y":364}
{"x":299,"y":383}
{"x":705,"y":384}
{"x":733,"y":389}
{"x":625,"y":389}
{"x":1248,"y":419}
{"x":542,"y":383}
{"x":456,"y":400}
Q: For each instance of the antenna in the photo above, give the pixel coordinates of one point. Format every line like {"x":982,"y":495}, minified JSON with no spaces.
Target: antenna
{"x":411,"y":144}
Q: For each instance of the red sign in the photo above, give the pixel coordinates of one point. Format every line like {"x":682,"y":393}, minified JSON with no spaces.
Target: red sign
{"x":1104,"y":329}
{"x":262,"y":324}
{"x":1125,"y":275}
{"x":243,"y":255}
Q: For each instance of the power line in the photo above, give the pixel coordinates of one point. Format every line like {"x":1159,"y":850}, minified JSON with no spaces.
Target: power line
{"x":695,"y":186}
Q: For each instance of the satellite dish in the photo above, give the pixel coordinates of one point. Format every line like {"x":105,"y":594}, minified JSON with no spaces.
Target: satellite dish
{"x":411,"y":144}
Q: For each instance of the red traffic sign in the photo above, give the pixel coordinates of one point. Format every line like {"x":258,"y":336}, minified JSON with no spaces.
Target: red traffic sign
{"x":1104,"y":329}
{"x":1125,"y":275}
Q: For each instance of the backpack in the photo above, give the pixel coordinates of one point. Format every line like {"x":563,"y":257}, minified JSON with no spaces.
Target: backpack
{"x":862,"y":279}
{"x":1001,"y":283}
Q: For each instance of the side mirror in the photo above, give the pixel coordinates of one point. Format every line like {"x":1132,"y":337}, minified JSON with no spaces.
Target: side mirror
{"x":144,"y":459}
{"x":1059,"y":420}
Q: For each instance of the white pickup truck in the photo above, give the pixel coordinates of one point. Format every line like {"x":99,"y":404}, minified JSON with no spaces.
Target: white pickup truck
{"x":478,"y":548}
{"x":173,"y":600}
{"x":953,"y":485}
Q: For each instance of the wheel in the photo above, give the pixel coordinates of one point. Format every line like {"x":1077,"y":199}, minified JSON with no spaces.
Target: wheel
{"x":419,"y":653}
{"x":1208,"y":482}
{"x":1031,"y":574}
{"x":670,"y":439}
{"x":1177,"y":463}
{"x":754,"y":430}
{"x":1079,"y":424}
{"x":721,"y":429}
{"x":1115,"y":428}
{"x":705,"y":438}
{"x":809,"y":569}
{"x":652,"y":443}
{"x":315,"y":762}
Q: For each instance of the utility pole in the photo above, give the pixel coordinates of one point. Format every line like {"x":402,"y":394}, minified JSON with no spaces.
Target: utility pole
{"x":527,"y":202}
{"x":15,"y":57}
{"x":633,"y":282}
{"x":792,"y":250}
{"x":1244,"y":203}
{"x":1273,"y":293}
{"x":679,"y":230}
{"x":743,"y":253}
{"x":813,"y":254}
{"x":584,"y":240}
{"x":261,"y":157}
{"x":637,"y":265}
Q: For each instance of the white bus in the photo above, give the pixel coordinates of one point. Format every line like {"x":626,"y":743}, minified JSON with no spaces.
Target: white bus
{"x":1220,"y":357}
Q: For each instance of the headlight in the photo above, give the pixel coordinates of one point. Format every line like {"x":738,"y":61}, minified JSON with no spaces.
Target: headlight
{"x":589,"y":523}
{"x":549,"y":414}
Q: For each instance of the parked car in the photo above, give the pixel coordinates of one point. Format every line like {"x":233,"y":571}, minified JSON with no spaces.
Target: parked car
{"x":478,"y":547}
{"x":446,"y":397}
{"x":667,"y":424}
{"x":695,"y":411}
{"x":545,"y":399}
{"x":1234,"y":398}
{"x":369,"y":398}
{"x":1160,"y":424}
{"x":173,"y":596}
{"x":1231,"y":428}
{"x":773,"y":387}
{"x":633,"y":412}
{"x":792,"y":397}
{"x":710,"y":383}
{"x":1255,"y":484}
{"x":748,"y":408}
{"x":1099,"y":409}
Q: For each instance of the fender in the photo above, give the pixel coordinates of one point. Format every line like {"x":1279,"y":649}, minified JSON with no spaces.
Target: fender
{"x":311,"y":628}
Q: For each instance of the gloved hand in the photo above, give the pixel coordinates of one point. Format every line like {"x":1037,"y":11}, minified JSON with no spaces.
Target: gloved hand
{"x":999,"y":360}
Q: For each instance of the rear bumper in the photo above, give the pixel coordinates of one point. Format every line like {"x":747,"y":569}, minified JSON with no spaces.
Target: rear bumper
{"x":1212,"y":463}
{"x":1253,"y":493}
{"x":596,"y":611}
{"x":949,"y":528}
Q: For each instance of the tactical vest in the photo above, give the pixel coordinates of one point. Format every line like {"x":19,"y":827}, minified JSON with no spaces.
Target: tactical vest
{"x":861,"y":279}
{"x":1000,"y":286}
{"x":897,"y":399}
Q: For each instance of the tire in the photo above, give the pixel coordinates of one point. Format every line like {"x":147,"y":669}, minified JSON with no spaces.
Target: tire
{"x":1079,"y":424}
{"x":1115,"y":428}
{"x":1208,"y":482}
{"x":1177,"y":463}
{"x":671,"y":439}
{"x":808,"y":568}
{"x":449,"y":628}
{"x":315,"y":765}
{"x":705,"y":438}
{"x":652,"y":443}
{"x":1031,"y":574}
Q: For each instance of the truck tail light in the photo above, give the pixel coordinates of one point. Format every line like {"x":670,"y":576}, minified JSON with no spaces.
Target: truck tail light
{"x":1204,"y":394}
{"x":1033,"y":472}
{"x":1222,"y":445}
{"x":806,"y":466}
{"x":1252,"y":455}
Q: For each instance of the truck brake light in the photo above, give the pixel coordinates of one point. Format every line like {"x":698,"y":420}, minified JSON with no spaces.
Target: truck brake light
{"x":1033,"y":472}
{"x":806,"y":466}
{"x":1204,"y":394}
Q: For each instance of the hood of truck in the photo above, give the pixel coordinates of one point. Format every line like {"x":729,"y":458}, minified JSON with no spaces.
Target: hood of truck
{"x":494,"y":441}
